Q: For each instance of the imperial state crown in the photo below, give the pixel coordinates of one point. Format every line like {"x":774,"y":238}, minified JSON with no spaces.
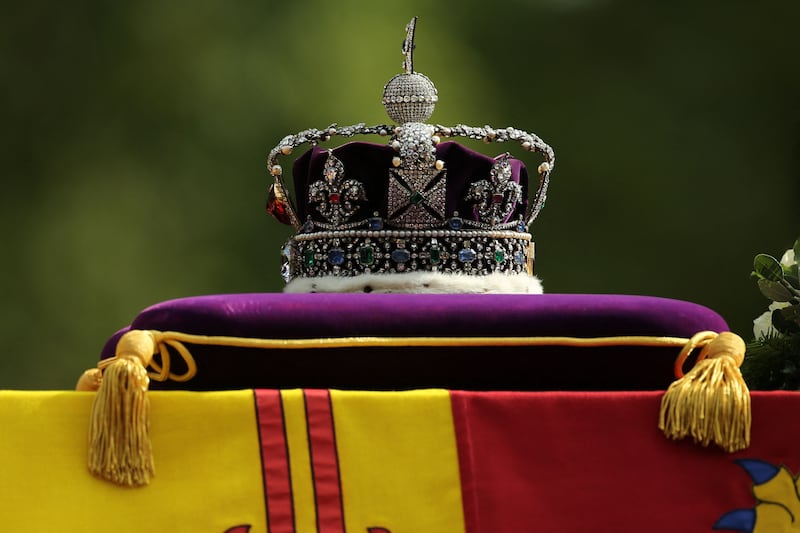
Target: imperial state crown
{"x":414,"y":215}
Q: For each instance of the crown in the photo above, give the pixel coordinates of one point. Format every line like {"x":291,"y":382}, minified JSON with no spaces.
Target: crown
{"x":416,"y":214}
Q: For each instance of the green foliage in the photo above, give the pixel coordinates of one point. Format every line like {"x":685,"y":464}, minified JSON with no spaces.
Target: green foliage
{"x":796,"y":250}
{"x":772,"y":360}
{"x":787,"y":320}
{"x":778,"y":282}
{"x":773,"y":363}
{"x":774,"y":290}
{"x":767,"y":268}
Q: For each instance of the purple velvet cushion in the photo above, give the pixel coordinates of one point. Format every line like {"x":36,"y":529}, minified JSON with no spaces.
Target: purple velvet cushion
{"x":286,"y":316}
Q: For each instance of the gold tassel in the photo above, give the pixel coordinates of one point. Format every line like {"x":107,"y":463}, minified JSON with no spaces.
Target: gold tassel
{"x":711,"y":403}
{"x":90,"y":380}
{"x":119,"y":431}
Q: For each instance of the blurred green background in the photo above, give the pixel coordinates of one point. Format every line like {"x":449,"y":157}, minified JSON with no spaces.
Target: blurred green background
{"x":135,"y":133}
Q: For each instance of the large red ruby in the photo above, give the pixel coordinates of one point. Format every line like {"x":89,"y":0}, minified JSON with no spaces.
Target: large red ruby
{"x":333,"y":198}
{"x":497,"y":199}
{"x":277,"y":207}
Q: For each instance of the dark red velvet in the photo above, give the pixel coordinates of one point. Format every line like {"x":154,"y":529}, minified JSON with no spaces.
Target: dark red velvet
{"x":277,"y":315}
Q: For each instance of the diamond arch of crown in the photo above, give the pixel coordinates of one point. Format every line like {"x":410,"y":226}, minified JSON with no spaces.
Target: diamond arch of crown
{"x":529,"y":141}
{"x":395,"y":104}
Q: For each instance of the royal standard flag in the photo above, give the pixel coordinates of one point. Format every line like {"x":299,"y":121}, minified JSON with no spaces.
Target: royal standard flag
{"x":325,"y":461}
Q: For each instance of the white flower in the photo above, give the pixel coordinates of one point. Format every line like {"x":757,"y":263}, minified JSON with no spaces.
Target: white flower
{"x":762,"y":326}
{"x":788,"y":259}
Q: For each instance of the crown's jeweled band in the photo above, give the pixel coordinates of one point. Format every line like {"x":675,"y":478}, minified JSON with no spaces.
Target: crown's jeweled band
{"x":354,"y":252}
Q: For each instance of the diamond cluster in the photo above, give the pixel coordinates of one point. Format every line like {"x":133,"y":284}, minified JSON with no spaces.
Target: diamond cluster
{"x":334,"y":197}
{"x":410,"y":98}
{"x":495,"y":198}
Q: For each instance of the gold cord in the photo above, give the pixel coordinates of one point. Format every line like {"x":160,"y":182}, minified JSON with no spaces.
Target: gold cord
{"x":176,"y":341}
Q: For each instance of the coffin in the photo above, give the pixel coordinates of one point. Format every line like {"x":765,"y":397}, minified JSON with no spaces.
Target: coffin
{"x":399,"y":413}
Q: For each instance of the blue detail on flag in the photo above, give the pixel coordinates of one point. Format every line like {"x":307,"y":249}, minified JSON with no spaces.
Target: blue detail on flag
{"x":738,"y":520}
{"x":759,"y":471}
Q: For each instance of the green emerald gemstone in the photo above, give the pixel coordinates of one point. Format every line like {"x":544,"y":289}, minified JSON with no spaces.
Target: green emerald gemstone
{"x":308,"y":257}
{"x":436,"y":255}
{"x":499,"y":255}
{"x":366,"y":255}
{"x":416,"y":198}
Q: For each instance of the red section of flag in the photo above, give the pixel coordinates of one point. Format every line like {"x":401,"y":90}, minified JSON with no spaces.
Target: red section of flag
{"x":324,"y":461}
{"x":275,"y":461}
{"x":555,"y":462}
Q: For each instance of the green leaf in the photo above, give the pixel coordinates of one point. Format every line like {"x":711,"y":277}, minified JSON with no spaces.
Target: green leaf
{"x":787,"y":320}
{"x":767,"y":267}
{"x":796,"y":249}
{"x":772,"y":363}
{"x":774,"y":290}
{"x":792,"y":313}
{"x":792,"y":279}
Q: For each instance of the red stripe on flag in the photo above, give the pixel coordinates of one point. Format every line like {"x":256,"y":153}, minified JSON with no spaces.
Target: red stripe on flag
{"x":275,"y":461}
{"x":324,"y":461}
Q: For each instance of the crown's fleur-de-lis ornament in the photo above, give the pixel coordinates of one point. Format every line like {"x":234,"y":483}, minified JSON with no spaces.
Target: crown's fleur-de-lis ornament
{"x":494,"y":199}
{"x":335,"y":197}
{"x":435,"y":208}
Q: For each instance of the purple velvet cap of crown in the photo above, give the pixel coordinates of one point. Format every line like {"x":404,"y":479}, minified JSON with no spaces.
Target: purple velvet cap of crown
{"x":282,"y":316}
{"x":370,"y":164}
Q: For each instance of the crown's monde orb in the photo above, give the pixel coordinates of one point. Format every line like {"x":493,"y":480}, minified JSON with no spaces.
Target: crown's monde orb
{"x":417,"y":214}
{"x":410,"y":97}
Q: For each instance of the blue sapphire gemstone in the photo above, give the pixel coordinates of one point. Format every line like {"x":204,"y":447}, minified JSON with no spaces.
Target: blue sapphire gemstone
{"x":456,"y":223}
{"x":308,"y":226}
{"x":466,"y":255}
{"x":401,"y":255}
{"x":336,"y":256}
{"x":519,"y":258}
{"x":521,"y":227}
{"x":375,"y":223}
